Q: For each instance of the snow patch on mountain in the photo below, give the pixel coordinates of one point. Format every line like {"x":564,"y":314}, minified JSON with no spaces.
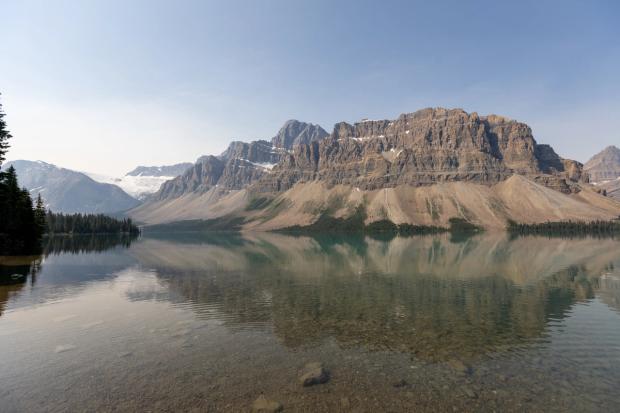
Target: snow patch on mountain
{"x":137,"y":186}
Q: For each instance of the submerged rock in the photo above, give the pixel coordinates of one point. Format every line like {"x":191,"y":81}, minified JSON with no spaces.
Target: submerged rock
{"x":400,"y":383}
{"x":460,"y":367}
{"x":264,"y":405}
{"x":313,"y":373}
{"x":469,"y":392}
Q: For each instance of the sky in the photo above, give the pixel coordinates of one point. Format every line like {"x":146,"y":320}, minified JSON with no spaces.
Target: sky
{"x":104,"y":86}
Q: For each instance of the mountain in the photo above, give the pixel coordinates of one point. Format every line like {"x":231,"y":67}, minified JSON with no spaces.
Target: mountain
{"x":294,"y":133}
{"x":604,"y":166}
{"x":611,"y":188}
{"x":604,"y":171}
{"x":160,"y":171}
{"x":424,"y":148}
{"x":241,"y":164}
{"x":422,"y":168}
{"x":64,"y":190}
{"x":144,"y":180}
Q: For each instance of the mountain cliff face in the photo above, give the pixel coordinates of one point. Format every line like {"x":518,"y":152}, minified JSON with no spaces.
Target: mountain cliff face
{"x":424,"y":148}
{"x":64,"y":190}
{"x":241,"y":164}
{"x":604,"y":166}
{"x":422,"y":168}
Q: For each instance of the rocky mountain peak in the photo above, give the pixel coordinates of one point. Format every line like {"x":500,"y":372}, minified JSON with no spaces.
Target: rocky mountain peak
{"x":294,"y":132}
{"x":612,"y":149}
{"x":605,"y":165}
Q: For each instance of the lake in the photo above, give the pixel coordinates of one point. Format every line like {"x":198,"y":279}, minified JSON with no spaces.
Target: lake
{"x":193,"y":322}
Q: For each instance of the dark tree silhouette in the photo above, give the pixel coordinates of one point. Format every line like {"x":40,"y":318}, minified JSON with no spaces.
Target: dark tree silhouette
{"x":567,"y":228}
{"x":4,"y":137}
{"x":88,"y":224}
{"x":19,"y":232}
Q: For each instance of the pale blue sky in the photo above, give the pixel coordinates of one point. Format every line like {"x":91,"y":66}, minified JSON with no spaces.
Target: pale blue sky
{"x":106,"y":85}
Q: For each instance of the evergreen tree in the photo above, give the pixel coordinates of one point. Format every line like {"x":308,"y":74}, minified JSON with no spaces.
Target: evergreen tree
{"x":567,"y":228}
{"x":40,"y":215}
{"x":4,"y":137}
{"x":20,"y":231}
{"x":71,"y":224}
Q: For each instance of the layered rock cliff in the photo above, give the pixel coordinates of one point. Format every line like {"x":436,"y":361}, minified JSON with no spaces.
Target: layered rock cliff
{"x":424,"y":148}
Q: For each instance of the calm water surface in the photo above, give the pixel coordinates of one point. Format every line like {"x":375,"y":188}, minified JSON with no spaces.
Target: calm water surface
{"x":194,"y":323}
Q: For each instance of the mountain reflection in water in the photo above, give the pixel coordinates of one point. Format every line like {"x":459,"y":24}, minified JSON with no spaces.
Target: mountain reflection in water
{"x":425,"y":295}
{"x":211,"y":321}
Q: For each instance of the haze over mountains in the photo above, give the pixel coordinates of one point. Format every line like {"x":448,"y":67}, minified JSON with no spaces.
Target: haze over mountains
{"x":64,"y":190}
{"x":68,"y":191}
{"x":422,"y":168}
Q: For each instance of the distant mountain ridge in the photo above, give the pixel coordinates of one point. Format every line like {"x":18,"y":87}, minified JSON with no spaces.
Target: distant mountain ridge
{"x":68,"y":191}
{"x":422,"y":168}
{"x":604,"y":171}
{"x":165,"y":170}
{"x":604,"y":166}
